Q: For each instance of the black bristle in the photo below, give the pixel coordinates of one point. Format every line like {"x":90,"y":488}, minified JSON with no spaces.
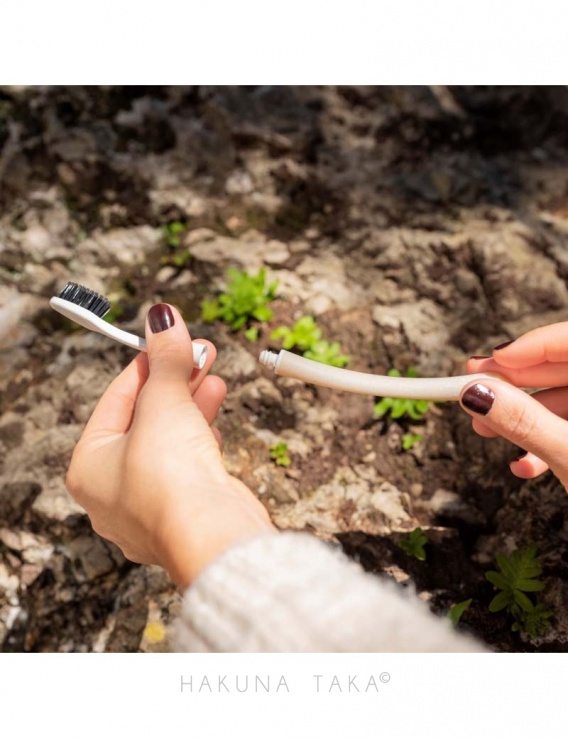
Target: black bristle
{"x":86,"y":298}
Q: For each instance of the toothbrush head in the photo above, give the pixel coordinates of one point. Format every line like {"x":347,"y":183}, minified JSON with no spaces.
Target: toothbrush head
{"x":85,"y":298}
{"x":87,"y":308}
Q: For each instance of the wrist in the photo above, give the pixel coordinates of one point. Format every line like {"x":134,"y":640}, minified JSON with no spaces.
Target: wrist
{"x":200,"y":534}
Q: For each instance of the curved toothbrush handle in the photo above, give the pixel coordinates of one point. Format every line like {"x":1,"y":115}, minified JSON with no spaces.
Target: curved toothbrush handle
{"x":286,"y":364}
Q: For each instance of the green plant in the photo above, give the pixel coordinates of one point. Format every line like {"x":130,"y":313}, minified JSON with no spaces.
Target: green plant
{"x":252,"y":333}
{"x":327,"y":353}
{"x":409,"y":440}
{"x":178,"y":258}
{"x":400,"y":408}
{"x":246,"y":298}
{"x":413,"y":544}
{"x":116,"y":311}
{"x":306,"y":336}
{"x":517,"y":575}
{"x":279,"y":454}
{"x":457,"y":610}
{"x":303,"y":334}
{"x":172,"y":233}
{"x":536,"y":622}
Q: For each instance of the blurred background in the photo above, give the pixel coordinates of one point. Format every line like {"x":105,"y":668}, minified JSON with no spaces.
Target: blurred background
{"x":406,"y":228}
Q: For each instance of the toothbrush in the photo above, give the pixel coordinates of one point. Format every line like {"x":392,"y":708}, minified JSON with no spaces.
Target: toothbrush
{"x":287,"y":364}
{"x":87,"y":308}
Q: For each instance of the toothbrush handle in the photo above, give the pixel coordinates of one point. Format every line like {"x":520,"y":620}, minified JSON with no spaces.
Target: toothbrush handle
{"x":440,"y":388}
{"x":136,"y":342}
{"x":128,"y":339}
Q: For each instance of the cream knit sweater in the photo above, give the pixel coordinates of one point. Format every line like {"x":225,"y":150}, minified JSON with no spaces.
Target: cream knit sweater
{"x":290,"y":592}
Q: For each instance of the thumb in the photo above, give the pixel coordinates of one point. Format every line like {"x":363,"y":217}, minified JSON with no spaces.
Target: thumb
{"x":170,"y":352}
{"x":512,"y":413}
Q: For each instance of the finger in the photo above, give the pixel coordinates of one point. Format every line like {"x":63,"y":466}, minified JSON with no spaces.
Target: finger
{"x":541,"y":375}
{"x":209,"y":397}
{"x":170,"y":355}
{"x":477,"y":364}
{"x":548,"y":343}
{"x":555,"y":400}
{"x":114,"y":411}
{"x":483,"y":430}
{"x":528,"y":466}
{"x":521,"y":419}
{"x":216,"y":432}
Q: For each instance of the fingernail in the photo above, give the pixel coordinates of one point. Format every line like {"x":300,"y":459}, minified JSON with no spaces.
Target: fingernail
{"x":502,"y":345}
{"x":478,"y":399}
{"x":160,"y":318}
{"x":479,"y":357}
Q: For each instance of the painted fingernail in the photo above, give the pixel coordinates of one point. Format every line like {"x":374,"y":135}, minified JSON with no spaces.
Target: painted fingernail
{"x":502,"y":345}
{"x":479,"y":357}
{"x":519,"y":458}
{"x":160,"y":318}
{"x":478,"y":399}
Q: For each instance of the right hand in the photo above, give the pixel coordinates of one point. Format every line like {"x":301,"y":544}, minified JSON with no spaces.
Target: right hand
{"x":148,"y":469}
{"x":537,"y":422}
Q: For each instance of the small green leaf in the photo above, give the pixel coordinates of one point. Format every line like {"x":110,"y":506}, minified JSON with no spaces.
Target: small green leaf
{"x":382,"y":407}
{"x":327,"y":353}
{"x":116,"y":311}
{"x":497,"y":579}
{"x":281,"y":332}
{"x":457,"y":610}
{"x":506,"y":566}
{"x":421,"y":406}
{"x":398,"y":410}
{"x":413,"y":544}
{"x":500,"y":601}
{"x":279,"y":454}
{"x":251,"y":334}
{"x":409,"y":440}
{"x":238,"y":322}
{"x":262,"y":313}
{"x":523,"y":601}
{"x":209,"y":311}
{"x":401,"y":408}
{"x":173,"y":232}
{"x":530,"y":585}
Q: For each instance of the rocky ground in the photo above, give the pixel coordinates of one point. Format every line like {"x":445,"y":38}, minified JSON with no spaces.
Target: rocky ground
{"x":417,"y":225}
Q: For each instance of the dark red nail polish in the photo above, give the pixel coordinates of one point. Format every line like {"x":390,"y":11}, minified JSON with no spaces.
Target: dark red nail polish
{"x":479,"y":357}
{"x":522,"y":456}
{"x":478,"y":399}
{"x":502,"y":345}
{"x":160,"y":318}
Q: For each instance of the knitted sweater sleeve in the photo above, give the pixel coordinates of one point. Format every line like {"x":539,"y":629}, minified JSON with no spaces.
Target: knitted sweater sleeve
{"x":293,"y":593}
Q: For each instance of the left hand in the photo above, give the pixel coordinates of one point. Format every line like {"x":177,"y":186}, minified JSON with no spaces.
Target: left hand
{"x":535,"y":422}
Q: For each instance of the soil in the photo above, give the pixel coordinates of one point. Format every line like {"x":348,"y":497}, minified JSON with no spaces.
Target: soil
{"x":418,"y":226}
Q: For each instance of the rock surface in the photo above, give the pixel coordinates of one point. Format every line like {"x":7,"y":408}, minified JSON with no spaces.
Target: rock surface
{"x":414,"y":236}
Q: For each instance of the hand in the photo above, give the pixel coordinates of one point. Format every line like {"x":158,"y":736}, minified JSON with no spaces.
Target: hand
{"x":148,"y":468}
{"x":537,"y":422}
